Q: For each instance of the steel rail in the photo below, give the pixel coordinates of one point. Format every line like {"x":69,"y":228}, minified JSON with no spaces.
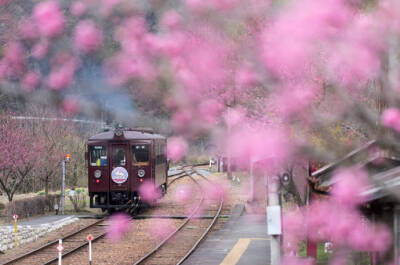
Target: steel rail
{"x":51,"y":243}
{"x":154,"y":250}
{"x":218,"y":213}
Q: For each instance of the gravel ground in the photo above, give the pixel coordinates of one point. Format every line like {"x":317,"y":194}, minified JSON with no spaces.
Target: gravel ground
{"x":143,"y":237}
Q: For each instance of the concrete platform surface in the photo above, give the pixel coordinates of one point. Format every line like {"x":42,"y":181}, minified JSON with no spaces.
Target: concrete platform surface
{"x":242,"y":240}
{"x":43,"y":220}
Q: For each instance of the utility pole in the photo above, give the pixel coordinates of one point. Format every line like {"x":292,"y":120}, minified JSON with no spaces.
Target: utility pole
{"x":63,"y":188}
{"x":274,"y":217}
{"x":65,"y":160}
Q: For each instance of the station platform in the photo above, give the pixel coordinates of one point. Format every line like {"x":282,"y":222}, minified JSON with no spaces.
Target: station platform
{"x":242,"y":240}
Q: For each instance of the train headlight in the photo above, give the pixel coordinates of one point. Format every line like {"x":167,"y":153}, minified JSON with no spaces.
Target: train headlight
{"x":97,"y":173}
{"x":141,"y":173}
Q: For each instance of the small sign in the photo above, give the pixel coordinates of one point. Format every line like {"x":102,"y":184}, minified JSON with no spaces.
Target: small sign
{"x":119,"y":175}
{"x":60,"y":248}
{"x":15,"y":217}
{"x":89,"y":238}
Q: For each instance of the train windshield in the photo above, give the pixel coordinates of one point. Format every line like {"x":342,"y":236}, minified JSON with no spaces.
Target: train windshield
{"x":119,"y":156}
{"x":98,"y":155}
{"x":140,"y":155}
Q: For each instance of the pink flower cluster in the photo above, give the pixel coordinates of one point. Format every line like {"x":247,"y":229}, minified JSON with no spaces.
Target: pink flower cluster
{"x":87,"y":36}
{"x":49,"y":18}
{"x":149,"y":192}
{"x":176,"y":148}
{"x":337,"y":219}
{"x":391,"y":119}
{"x":119,"y":225}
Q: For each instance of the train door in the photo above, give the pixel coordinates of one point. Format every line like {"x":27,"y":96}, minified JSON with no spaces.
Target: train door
{"x":119,"y":168}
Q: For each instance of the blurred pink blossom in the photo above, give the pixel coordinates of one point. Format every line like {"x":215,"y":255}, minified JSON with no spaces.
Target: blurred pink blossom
{"x":349,"y":185}
{"x":119,"y":225}
{"x":107,"y":6}
{"x":28,"y":29}
{"x":78,"y":8}
{"x":172,"y":20}
{"x":246,"y":77}
{"x":149,"y":192}
{"x":30,"y":81}
{"x":234,"y":117}
{"x":176,"y":148}
{"x":70,"y":106}
{"x":39,"y":51}
{"x":87,"y":36}
{"x":49,"y":18}
{"x":14,"y":59}
{"x":391,"y":118}
{"x":209,"y":110}
{"x":62,"y":77}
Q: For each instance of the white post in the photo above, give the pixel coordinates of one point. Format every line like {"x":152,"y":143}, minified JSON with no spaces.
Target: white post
{"x":251,"y":179}
{"x":59,"y":253}
{"x":90,"y":252}
{"x":63,"y":188}
{"x":274,"y":218}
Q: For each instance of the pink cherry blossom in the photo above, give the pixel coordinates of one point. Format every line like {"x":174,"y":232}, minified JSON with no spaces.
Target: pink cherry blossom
{"x":107,"y":6}
{"x":349,"y":186}
{"x":14,"y":59}
{"x":176,"y":148}
{"x":209,"y":110}
{"x":78,"y":8}
{"x":49,"y":18}
{"x":30,"y":81}
{"x":87,"y":36}
{"x":119,"y":225}
{"x":39,"y":51}
{"x":28,"y":29}
{"x":149,"y":192}
{"x":391,"y":118}
{"x":172,"y":20}
{"x":70,"y":106}
{"x":62,"y":77}
{"x":245,"y":77}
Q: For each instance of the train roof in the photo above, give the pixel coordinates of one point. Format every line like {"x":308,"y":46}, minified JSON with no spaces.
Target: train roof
{"x":128,"y":135}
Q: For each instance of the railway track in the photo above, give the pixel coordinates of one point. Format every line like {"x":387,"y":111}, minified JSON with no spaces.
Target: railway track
{"x":72,"y":242}
{"x":187,"y":171}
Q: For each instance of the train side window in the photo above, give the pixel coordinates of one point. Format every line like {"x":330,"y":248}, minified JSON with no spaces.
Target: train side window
{"x":119,"y":156}
{"x":140,"y":155}
{"x":98,"y":155}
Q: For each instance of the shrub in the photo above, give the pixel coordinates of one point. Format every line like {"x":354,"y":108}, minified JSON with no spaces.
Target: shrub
{"x":78,"y":201}
{"x":31,"y":206}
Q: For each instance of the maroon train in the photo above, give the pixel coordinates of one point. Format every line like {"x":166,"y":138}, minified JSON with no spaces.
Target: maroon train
{"x":120,"y":161}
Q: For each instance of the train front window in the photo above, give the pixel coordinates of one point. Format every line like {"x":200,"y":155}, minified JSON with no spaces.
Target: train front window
{"x":140,"y":155}
{"x":119,"y":157}
{"x":98,"y":155}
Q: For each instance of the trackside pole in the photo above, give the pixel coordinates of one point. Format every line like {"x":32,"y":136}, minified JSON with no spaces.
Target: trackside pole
{"x":274,"y":218}
{"x":63,"y":188}
{"x":60,"y":249}
{"x":90,"y":238}
{"x":15,"y":217}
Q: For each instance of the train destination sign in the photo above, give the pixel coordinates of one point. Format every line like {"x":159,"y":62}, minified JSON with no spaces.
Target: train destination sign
{"x":119,"y":175}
